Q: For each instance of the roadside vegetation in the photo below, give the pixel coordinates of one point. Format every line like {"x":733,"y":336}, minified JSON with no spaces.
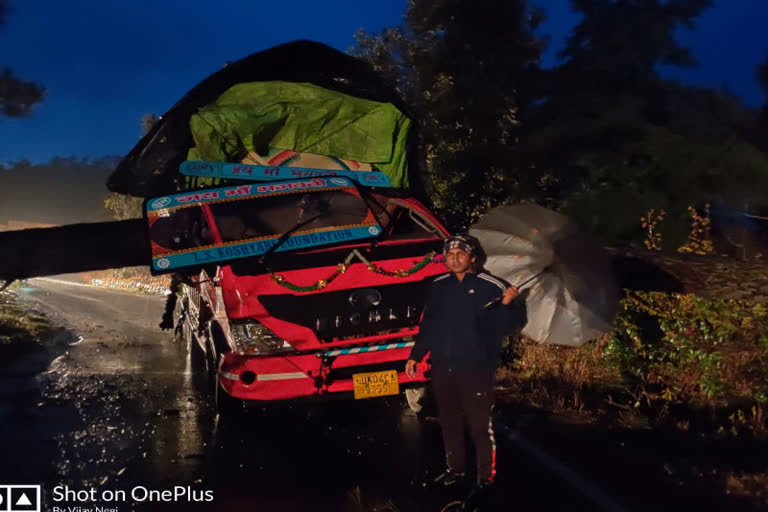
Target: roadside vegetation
{"x":696,"y":361}
{"x":20,"y":328}
{"x":693,"y":362}
{"x":672,"y":360}
{"x":130,"y":279}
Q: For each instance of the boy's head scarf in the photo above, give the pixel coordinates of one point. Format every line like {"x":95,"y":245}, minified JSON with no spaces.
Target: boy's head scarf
{"x":463,"y":242}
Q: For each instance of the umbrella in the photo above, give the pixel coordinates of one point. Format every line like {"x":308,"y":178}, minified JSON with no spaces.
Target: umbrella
{"x":572,"y":296}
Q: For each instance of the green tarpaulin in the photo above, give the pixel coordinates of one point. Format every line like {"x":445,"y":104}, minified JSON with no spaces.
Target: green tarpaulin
{"x":305,"y":118}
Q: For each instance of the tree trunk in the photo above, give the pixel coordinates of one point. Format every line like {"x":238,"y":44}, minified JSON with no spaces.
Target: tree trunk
{"x":105,"y":245}
{"x":73,"y":248}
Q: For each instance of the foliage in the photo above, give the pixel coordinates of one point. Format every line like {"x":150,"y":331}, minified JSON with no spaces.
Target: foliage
{"x":556,"y":377}
{"x":761,"y":124}
{"x":616,"y":140}
{"x":631,"y":166}
{"x":124,"y":207}
{"x":606,"y":85}
{"x":17,"y":97}
{"x":597,"y":49}
{"x":698,"y":238}
{"x":762,"y":76}
{"x":133,"y":279}
{"x":668,"y":356}
{"x":600,"y":136}
{"x":18,"y":326}
{"x":684,"y":349}
{"x":462,"y":66}
{"x":653,"y":237}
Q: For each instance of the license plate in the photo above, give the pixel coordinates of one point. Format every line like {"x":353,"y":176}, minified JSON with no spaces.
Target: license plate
{"x":368,"y":385}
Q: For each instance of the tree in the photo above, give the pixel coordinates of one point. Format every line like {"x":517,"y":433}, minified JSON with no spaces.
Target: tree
{"x":610,"y":138}
{"x":611,"y":59}
{"x":17,"y":97}
{"x":73,"y":248}
{"x":762,"y":76}
{"x":619,"y":43}
{"x":462,"y":65}
{"x":123,"y":206}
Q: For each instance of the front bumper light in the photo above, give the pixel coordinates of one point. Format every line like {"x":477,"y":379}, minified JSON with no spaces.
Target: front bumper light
{"x":253,"y":338}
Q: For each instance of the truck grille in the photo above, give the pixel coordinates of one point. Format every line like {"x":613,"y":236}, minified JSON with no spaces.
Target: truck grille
{"x":357,"y":312}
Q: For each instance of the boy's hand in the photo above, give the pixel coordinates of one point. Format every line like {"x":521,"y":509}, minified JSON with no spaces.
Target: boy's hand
{"x":509,"y":295}
{"x":410,"y":368}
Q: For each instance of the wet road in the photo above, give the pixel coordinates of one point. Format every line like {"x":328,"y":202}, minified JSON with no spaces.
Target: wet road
{"x":112,"y":403}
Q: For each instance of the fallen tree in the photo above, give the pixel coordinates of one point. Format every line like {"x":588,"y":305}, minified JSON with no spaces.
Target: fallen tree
{"x":73,"y":248}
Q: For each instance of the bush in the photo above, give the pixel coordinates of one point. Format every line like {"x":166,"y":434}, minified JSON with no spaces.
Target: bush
{"x":681,"y":347}
{"x":670,"y":358}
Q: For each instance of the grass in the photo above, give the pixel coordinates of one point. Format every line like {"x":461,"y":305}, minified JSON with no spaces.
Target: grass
{"x":673,"y":361}
{"x":667,"y":353}
{"x":20,"y":328}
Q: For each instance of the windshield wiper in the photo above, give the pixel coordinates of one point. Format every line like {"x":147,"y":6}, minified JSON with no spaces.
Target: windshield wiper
{"x":285,"y":236}
{"x":366,"y":199}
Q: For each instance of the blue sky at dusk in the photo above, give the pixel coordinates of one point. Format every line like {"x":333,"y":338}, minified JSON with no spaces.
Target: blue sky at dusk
{"x":105,"y":63}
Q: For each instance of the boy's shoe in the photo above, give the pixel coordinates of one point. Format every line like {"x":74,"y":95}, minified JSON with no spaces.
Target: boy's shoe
{"x":449,"y":478}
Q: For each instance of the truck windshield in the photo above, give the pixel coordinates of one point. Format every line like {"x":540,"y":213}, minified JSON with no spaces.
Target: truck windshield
{"x":199,"y":227}
{"x":271,"y":216}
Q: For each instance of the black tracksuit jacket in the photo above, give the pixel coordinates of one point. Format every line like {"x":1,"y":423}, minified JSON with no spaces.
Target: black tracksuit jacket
{"x":458,"y":330}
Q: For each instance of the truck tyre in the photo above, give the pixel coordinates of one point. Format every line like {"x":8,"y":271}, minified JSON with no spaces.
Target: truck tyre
{"x":415,"y":397}
{"x":226,"y":405}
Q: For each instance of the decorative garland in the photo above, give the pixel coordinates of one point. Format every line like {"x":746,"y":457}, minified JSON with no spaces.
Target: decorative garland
{"x":403,"y":272}
{"x":342,"y":267}
{"x":319,"y":285}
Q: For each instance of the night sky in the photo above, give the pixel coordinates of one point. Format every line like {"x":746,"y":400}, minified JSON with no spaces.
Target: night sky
{"x":106,"y":63}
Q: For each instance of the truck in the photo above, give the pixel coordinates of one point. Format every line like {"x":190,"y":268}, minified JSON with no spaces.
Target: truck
{"x":293,"y":229}
{"x":334,"y":319}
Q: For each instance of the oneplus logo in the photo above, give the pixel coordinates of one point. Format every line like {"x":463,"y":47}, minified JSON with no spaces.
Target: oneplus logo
{"x":19,"y":498}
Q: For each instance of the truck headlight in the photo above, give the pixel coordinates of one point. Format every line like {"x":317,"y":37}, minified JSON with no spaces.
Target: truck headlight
{"x":254,"y":338}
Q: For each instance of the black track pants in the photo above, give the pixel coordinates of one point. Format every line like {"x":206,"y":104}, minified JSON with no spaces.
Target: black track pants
{"x":464,"y":400}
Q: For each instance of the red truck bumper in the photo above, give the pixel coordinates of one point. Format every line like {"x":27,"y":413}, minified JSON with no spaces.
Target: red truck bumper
{"x":283,"y":377}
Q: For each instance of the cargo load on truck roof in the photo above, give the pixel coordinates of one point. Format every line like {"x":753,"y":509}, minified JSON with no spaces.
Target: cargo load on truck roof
{"x":297,"y":100}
